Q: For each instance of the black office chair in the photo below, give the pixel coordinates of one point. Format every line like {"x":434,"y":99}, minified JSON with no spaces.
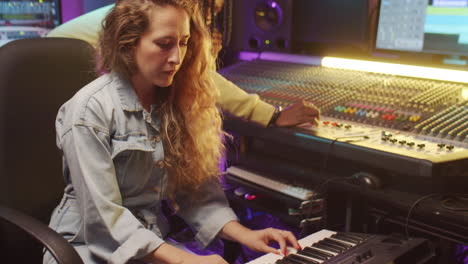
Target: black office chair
{"x":36,"y":77}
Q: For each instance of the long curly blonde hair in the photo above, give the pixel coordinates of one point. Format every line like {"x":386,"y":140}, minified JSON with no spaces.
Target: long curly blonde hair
{"x":191,"y":123}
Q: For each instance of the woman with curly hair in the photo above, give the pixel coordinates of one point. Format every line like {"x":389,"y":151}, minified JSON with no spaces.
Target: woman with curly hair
{"x":147,"y":130}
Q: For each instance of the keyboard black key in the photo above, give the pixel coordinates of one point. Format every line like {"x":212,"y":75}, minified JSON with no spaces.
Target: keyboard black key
{"x":339,"y":249}
{"x":313,"y":255}
{"x":337,"y":243}
{"x":285,"y":261}
{"x":325,"y":247}
{"x":319,"y":252}
{"x":345,"y":238}
{"x":301,"y":259}
{"x":358,"y":239}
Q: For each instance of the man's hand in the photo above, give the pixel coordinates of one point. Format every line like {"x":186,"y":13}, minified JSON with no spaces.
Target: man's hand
{"x":299,"y":113}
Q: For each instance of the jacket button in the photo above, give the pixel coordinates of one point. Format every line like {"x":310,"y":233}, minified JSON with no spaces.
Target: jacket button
{"x":157,"y":138}
{"x":160,"y":164}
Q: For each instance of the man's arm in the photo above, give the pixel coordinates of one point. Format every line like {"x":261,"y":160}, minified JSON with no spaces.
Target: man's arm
{"x":236,"y":101}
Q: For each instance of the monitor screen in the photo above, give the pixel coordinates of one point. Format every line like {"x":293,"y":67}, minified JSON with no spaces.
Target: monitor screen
{"x":321,"y":27}
{"x":30,"y":13}
{"x":423,"y":26}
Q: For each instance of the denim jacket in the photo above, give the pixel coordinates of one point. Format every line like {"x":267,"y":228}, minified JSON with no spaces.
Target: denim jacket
{"x":115,"y":178}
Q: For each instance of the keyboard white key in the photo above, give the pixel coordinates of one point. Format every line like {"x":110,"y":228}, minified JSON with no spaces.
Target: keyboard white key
{"x":293,"y":191}
{"x":271,"y":258}
{"x":343,"y":247}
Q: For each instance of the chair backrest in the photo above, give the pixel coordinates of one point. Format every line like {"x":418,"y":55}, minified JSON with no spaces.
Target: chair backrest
{"x":36,"y":77}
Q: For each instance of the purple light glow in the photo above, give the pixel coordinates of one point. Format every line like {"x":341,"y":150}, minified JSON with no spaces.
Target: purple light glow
{"x":462,"y":253}
{"x":283,"y":57}
{"x":71,"y":9}
{"x":273,"y":4}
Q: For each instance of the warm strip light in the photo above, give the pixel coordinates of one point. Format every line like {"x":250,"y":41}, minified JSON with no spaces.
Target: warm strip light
{"x":397,"y":69}
{"x":465,"y":93}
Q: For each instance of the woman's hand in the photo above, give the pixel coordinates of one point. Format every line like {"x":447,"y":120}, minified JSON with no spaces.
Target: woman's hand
{"x":298,"y":113}
{"x":259,"y":240}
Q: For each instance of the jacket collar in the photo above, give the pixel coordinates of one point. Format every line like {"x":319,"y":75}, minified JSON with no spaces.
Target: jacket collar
{"x":127,"y":94}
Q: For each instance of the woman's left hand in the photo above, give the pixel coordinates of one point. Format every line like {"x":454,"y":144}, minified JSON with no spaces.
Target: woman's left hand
{"x":259,"y":240}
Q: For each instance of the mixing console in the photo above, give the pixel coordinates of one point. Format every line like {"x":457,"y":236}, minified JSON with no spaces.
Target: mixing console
{"x":425,"y":109}
{"x":402,"y":143}
{"x":400,"y":126}
{"x":27,"y":19}
{"x":11,"y":33}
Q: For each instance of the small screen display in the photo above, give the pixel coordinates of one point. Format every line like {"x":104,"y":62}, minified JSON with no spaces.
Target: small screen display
{"x":38,"y":13}
{"x":434,"y":27}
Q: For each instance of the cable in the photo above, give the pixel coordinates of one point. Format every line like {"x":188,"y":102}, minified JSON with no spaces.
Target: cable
{"x":454,"y":198}
{"x":350,"y":140}
{"x":412,"y":208}
{"x":327,"y":155}
{"x":227,"y":23}
{"x":325,"y":162}
{"x":316,"y":192}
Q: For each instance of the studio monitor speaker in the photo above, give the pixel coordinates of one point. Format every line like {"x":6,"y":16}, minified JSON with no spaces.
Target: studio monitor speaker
{"x":261,"y":25}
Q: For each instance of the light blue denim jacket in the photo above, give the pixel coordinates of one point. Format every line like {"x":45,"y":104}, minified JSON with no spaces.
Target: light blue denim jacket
{"x":115,"y":178}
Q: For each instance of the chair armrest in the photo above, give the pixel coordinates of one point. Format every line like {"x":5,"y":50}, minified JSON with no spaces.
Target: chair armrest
{"x":60,"y":249}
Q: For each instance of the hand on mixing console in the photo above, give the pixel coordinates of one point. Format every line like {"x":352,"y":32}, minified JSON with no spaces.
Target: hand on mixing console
{"x":298,"y":113}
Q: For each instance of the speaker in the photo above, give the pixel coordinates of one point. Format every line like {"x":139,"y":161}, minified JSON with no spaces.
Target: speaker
{"x":261,"y":25}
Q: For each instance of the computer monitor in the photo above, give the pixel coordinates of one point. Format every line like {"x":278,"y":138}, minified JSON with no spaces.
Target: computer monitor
{"x":330,"y":27}
{"x":27,"y":18}
{"x":40,"y":13}
{"x":426,"y":27}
